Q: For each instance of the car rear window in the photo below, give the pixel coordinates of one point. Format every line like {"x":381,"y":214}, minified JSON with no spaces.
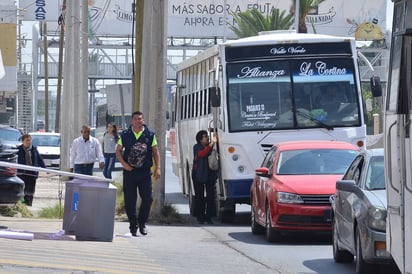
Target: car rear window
{"x":46,"y":140}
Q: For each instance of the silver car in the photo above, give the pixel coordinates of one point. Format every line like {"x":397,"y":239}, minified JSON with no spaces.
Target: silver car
{"x":359,"y":214}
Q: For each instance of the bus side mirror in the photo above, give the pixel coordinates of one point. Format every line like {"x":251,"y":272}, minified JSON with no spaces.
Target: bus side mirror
{"x":214,"y":95}
{"x":376,"y":87}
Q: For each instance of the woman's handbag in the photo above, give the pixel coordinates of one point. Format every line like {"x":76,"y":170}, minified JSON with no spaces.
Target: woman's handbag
{"x":213,"y":159}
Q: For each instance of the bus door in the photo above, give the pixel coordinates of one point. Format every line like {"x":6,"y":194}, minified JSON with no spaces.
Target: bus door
{"x":398,"y":146}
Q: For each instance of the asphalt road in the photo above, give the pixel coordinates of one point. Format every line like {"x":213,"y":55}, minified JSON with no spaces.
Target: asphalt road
{"x":175,"y":248}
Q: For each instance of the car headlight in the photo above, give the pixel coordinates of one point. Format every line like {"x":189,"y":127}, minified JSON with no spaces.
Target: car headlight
{"x":288,"y":198}
{"x":377,"y":218}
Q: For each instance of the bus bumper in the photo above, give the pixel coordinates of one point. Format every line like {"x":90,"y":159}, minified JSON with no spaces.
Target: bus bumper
{"x":238,"y":190}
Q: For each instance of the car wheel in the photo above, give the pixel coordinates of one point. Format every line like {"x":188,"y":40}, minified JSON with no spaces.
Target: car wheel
{"x":340,"y":256}
{"x":272,"y":235}
{"x":227,"y":212}
{"x":256,"y":228}
{"x":362,"y":267}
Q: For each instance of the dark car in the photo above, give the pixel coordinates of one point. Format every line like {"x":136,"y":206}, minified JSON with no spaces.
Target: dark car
{"x":10,"y":137}
{"x":11,"y":186}
{"x":359,"y":214}
{"x":291,"y":189}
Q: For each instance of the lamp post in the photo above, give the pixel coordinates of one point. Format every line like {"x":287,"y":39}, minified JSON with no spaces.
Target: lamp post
{"x":297,"y":7}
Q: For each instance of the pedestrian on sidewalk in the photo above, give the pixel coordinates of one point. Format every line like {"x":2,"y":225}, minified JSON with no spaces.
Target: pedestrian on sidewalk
{"x":204,"y":178}
{"x":28,"y":154}
{"x":84,"y":152}
{"x":110,"y":139}
{"x":136,"y":150}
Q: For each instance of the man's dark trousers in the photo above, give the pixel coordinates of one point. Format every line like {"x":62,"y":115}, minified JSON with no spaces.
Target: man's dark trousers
{"x":133,"y":181}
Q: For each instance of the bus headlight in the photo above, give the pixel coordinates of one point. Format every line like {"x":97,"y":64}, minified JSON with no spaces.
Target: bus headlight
{"x":235,"y":157}
{"x":241,"y":169}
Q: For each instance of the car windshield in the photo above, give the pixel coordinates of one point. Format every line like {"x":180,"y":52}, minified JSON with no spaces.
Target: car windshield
{"x":375,"y":177}
{"x":10,"y":135}
{"x":46,"y":140}
{"x":314,"y":161}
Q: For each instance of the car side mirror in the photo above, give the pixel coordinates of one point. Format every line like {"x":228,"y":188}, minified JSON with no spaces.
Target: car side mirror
{"x":346,"y":185}
{"x":214,"y":93}
{"x":376,"y":86}
{"x":262,"y":171}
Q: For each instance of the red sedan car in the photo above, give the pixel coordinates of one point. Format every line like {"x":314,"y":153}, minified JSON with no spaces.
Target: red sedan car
{"x":291,"y":190}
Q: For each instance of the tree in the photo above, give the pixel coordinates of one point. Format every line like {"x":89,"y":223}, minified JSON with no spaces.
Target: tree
{"x":304,"y":9}
{"x":251,"y":22}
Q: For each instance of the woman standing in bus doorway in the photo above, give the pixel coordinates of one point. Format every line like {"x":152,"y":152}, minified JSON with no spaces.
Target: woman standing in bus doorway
{"x":204,"y":178}
{"x":110,"y":139}
{"x":28,"y":154}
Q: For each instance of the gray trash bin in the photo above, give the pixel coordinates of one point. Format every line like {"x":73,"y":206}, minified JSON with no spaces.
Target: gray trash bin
{"x":71,"y":202}
{"x":92,"y":206}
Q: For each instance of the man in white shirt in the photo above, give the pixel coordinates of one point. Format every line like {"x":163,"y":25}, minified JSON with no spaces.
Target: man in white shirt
{"x":84,"y":151}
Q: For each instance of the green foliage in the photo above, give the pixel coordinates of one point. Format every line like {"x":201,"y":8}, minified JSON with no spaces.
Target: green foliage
{"x":55,"y":212}
{"x":168,"y":215}
{"x":304,"y":9}
{"x":367,"y":96}
{"x":120,"y":208}
{"x":40,"y":106}
{"x":18,"y":208}
{"x":251,"y":22}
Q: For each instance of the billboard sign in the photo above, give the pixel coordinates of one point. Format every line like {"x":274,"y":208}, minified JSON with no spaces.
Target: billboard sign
{"x":364,"y":20}
{"x":40,"y":10}
{"x":8,"y":56}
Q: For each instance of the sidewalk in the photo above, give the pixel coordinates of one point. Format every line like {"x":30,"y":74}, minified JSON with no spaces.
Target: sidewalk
{"x":49,"y":250}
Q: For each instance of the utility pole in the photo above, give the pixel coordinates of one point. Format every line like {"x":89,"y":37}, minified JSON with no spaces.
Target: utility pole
{"x":297,"y":15}
{"x":67,"y":130}
{"x":139,"y":17}
{"x":72,"y":83}
{"x":46,"y":78}
{"x":153,"y":84}
{"x":83,"y":95}
{"x":60,"y":73}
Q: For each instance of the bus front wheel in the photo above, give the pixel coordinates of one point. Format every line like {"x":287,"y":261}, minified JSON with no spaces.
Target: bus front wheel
{"x":226,"y":211}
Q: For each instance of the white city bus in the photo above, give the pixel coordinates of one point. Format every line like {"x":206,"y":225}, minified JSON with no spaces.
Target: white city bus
{"x":398,"y":142}
{"x":257,"y":91}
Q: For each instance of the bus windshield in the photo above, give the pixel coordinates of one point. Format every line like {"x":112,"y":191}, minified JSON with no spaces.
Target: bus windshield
{"x":292,"y":94}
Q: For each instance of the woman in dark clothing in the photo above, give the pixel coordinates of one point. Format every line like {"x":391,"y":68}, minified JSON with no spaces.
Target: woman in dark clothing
{"x":28,"y":155}
{"x":204,"y":178}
